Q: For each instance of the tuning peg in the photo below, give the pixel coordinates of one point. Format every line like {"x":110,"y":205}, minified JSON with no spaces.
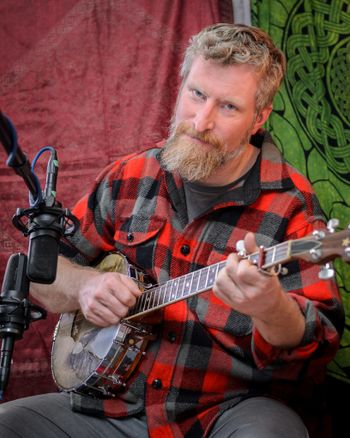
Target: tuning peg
{"x":326,"y":272}
{"x":315,"y":253}
{"x":347,"y":252}
{"x":332,"y":224}
{"x":319,"y":235}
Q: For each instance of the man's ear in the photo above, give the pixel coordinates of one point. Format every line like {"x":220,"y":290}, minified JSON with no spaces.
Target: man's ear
{"x":261,"y":118}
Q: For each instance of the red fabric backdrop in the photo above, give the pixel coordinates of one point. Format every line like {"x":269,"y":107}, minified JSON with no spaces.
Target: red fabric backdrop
{"x":94,"y":79}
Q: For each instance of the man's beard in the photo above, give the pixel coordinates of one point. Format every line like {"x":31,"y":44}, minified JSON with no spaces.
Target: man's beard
{"x":193,"y":162}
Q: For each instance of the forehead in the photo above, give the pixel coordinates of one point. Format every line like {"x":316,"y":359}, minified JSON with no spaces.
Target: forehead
{"x":223,"y":81}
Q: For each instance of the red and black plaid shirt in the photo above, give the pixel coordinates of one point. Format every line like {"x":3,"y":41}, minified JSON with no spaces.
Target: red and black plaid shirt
{"x":208,"y":356}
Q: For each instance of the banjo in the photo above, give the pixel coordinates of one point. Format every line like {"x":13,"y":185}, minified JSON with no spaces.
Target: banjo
{"x":98,"y":361}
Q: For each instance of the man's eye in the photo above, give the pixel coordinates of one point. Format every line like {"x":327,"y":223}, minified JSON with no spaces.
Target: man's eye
{"x":198,"y":94}
{"x":229,"y":106}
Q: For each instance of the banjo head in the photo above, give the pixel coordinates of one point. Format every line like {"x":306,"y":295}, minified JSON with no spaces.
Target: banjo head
{"x":83,"y":354}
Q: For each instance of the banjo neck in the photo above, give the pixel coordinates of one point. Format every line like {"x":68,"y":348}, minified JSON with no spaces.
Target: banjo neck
{"x":199,"y":281}
{"x":319,"y":247}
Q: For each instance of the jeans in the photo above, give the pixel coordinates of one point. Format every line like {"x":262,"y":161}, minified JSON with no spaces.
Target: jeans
{"x":50,"y":416}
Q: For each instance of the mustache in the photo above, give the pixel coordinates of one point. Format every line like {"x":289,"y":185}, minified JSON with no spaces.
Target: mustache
{"x":206,"y":136}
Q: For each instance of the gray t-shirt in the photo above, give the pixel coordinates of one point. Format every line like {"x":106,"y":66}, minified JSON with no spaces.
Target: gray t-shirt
{"x":200,"y":198}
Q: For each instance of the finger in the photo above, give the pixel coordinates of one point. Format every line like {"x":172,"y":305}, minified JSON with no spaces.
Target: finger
{"x":102,"y":320}
{"x":232,"y":262}
{"x":131,"y":285}
{"x":225,"y":280}
{"x":242,"y":272}
{"x":120,"y":287}
{"x":127,"y":297}
{"x":122,"y":295}
{"x":250,"y":243}
{"x":101,"y":314}
{"x":237,"y":268}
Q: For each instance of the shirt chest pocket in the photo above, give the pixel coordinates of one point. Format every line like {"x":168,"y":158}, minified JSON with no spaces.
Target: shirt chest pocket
{"x":137,"y":236}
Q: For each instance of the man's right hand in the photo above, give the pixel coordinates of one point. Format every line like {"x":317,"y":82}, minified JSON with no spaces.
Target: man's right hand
{"x":105,"y":298}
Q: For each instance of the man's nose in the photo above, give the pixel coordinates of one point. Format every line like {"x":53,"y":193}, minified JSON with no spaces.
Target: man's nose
{"x":204,"y":118}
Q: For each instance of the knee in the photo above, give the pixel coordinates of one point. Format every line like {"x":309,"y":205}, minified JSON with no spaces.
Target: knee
{"x":259,"y":417}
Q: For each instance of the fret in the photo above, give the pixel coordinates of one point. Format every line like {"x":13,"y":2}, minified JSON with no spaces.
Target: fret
{"x":153,"y":298}
{"x":180,"y":290}
{"x":175,"y":285}
{"x":203,"y":278}
{"x":268,"y":256}
{"x":162,"y":296}
{"x":173,"y":290}
{"x":163,"y":289}
{"x":159,"y":295}
{"x":221,"y":265}
{"x":137,"y":307}
{"x":141,"y":302}
{"x":147,"y":300}
{"x":212,"y":274}
{"x":280,"y":252}
{"x":190,"y":282}
{"x":168,"y":288}
{"x":288,"y":246}
{"x":195,"y":280}
{"x":273,"y":255}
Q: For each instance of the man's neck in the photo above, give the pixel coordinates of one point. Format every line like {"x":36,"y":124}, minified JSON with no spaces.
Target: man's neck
{"x":233,"y":169}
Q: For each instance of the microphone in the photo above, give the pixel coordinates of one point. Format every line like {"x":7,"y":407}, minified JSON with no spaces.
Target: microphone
{"x":45,"y":230}
{"x":46,"y":222}
{"x":46,"y":226}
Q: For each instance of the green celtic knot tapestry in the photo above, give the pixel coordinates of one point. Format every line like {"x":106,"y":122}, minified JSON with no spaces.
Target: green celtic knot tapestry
{"x":311,"y":118}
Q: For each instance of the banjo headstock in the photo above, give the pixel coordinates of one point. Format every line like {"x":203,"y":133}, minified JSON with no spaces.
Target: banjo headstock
{"x":323,"y":246}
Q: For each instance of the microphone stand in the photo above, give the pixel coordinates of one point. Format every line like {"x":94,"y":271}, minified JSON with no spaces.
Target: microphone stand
{"x":16,"y":312}
{"x":45,"y":223}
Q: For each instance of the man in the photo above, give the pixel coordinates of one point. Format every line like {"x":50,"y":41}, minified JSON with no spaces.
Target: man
{"x":226,"y":361}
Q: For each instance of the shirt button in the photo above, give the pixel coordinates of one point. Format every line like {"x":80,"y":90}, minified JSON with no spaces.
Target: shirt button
{"x":185,"y":249}
{"x":171,"y":337}
{"x":130,"y":237}
{"x":157,"y":384}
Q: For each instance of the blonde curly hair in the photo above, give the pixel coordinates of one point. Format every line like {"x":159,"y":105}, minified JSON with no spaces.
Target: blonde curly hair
{"x":229,"y":44}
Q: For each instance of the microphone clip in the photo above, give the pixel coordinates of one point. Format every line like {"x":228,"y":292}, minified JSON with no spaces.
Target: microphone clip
{"x":45,"y":226}
{"x":53,"y":218}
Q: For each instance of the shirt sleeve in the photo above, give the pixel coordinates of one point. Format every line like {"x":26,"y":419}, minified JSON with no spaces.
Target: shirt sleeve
{"x":319,"y":301}
{"x":94,"y":212}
